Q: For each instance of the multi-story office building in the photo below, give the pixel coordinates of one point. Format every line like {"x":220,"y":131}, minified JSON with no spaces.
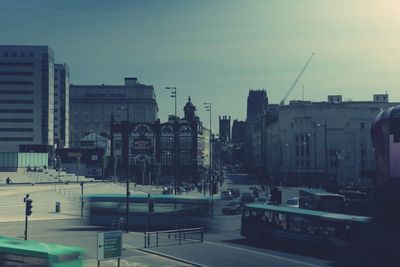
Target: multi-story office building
{"x":61,"y":105}
{"x":225,"y":128}
{"x":91,"y":107}
{"x":321,"y":143}
{"x":257,"y":103}
{"x":26,"y":96}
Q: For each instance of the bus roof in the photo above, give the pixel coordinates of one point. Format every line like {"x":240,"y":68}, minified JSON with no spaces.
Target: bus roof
{"x":313,"y":213}
{"x":319,"y":192}
{"x":156,"y":197}
{"x":35,"y":248}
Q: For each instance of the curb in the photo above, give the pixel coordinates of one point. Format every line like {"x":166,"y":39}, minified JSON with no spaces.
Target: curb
{"x":170,"y":257}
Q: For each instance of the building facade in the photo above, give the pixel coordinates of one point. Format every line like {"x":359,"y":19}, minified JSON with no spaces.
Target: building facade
{"x":61,"y":105}
{"x":323,"y":143}
{"x":225,"y":128}
{"x":91,"y":107}
{"x":239,"y":131}
{"x":153,"y":152}
{"x":26,"y":96}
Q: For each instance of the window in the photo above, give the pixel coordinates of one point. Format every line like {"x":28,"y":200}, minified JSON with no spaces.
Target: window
{"x":31,"y":54}
{"x":16,"y":82}
{"x":362,"y":125}
{"x":16,"y":73}
{"x":16,"y":139}
{"x":16,"y":92}
{"x":15,"y":101}
{"x":14,"y":54}
{"x":16,"y":110}
{"x":16,"y":120}
{"x":5,"y":54}
{"x":16,"y":64}
{"x":16,"y":129}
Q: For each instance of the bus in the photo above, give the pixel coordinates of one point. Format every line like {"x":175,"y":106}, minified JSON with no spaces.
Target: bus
{"x":169,"y":210}
{"x":27,"y":253}
{"x":315,"y":199}
{"x":300,"y":226}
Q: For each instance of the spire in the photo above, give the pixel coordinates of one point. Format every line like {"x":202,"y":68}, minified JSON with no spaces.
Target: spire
{"x":190,"y":110}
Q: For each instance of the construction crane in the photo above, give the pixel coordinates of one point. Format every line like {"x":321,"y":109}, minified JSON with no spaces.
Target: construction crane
{"x":297,"y":79}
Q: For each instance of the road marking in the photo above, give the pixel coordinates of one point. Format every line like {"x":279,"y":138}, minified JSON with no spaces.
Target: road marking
{"x":265,"y":254}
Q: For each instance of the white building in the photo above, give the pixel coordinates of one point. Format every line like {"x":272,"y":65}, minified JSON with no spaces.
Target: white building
{"x":26,"y":96}
{"x":61,"y":105}
{"x":312,"y":141}
{"x":91,"y":106}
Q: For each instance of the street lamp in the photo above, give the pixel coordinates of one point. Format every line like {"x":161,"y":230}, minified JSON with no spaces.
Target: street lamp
{"x":174,"y":95}
{"x":326,"y":151}
{"x":208,"y":108}
{"x":125,"y":138}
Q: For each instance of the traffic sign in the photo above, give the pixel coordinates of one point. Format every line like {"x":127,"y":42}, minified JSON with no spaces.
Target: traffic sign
{"x":109,"y":245}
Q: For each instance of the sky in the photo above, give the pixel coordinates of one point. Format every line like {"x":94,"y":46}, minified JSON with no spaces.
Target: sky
{"x":216,"y":50}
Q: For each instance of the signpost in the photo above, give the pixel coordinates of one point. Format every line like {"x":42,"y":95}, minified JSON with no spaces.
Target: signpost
{"x":109,"y":246}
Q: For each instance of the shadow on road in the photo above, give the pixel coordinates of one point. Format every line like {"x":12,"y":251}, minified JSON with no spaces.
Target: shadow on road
{"x":307,"y":251}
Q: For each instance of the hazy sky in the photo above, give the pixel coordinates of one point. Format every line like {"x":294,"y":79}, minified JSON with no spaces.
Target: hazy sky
{"x":215,"y":51}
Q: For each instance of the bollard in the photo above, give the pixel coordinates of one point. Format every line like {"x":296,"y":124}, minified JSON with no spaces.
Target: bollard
{"x":179,"y":236}
{"x":202,"y":235}
{"x":145,"y":243}
{"x":157,"y":239}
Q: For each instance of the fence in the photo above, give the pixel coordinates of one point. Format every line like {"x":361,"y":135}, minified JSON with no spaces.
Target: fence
{"x":68,"y":193}
{"x":173,"y":237}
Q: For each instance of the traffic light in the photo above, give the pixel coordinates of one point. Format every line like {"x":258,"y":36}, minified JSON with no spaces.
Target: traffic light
{"x":151,"y":205}
{"x":28,"y":207}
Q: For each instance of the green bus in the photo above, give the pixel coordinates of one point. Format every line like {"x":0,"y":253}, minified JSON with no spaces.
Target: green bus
{"x":27,"y":253}
{"x":169,"y":210}
{"x":279,"y":224}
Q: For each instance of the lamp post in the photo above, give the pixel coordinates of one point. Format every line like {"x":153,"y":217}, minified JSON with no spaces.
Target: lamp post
{"x":174,"y":95}
{"x":326,"y":151}
{"x":208,"y":108}
{"x":125,"y":138}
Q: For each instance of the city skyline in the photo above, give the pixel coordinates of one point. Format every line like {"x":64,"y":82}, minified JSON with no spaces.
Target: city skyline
{"x":216,"y":51}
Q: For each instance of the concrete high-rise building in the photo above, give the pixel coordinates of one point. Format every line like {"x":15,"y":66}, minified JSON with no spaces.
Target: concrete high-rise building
{"x":91,"y":107}
{"x":257,"y":103}
{"x":225,"y":128}
{"x":61,"y":105}
{"x":26,"y":96}
{"x":322,"y":143}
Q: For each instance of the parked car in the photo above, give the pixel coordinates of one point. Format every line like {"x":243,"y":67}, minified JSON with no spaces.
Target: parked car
{"x":293,"y":202}
{"x":262,"y":200}
{"x":235,"y":192}
{"x":232,"y":208}
{"x":226,"y":195}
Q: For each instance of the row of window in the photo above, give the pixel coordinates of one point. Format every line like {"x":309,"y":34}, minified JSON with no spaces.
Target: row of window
{"x":16,"y":129}
{"x":25,"y":139}
{"x":16,"y":120}
{"x":16,"y":110}
{"x":16,"y":64}
{"x":16,"y":73}
{"x":16,"y":92}
{"x":17,"y":82}
{"x":14,"y":54}
{"x":15,"y":101}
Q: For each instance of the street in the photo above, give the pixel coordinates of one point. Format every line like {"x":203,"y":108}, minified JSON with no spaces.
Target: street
{"x":223,"y":246}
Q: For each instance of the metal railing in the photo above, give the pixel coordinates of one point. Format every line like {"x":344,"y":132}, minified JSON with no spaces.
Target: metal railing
{"x":174,"y":237}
